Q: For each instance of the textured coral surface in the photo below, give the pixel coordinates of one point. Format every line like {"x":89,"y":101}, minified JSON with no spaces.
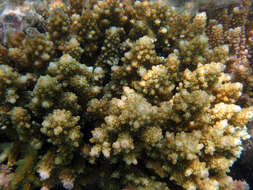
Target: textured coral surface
{"x":125,"y":95}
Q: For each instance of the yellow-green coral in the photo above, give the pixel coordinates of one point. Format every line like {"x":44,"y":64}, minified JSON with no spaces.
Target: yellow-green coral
{"x":124,"y":95}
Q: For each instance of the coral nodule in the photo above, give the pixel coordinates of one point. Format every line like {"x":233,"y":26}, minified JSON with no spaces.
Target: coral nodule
{"x":123,"y":95}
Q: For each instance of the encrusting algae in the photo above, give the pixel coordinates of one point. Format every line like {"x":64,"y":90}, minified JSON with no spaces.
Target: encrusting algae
{"x":124,"y":95}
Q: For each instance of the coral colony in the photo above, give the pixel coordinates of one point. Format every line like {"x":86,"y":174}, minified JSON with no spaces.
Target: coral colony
{"x":122,"y":94}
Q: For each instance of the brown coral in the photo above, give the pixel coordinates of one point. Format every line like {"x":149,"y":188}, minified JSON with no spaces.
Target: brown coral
{"x":134,"y":95}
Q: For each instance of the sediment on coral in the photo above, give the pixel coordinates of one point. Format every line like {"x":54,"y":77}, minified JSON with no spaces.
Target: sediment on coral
{"x":125,"y":95}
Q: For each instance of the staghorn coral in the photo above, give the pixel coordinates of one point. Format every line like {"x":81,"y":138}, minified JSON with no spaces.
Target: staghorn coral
{"x":5,"y":176}
{"x":233,"y":26}
{"x":240,"y":185}
{"x":124,"y":95}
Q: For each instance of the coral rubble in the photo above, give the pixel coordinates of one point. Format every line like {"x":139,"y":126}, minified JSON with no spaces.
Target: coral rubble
{"x":124,"y":95}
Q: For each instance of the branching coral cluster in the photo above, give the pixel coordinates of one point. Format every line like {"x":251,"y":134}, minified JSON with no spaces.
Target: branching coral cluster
{"x":124,"y":95}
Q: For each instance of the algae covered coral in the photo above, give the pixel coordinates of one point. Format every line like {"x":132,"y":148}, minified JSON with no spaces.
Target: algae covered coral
{"x":124,"y":95}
